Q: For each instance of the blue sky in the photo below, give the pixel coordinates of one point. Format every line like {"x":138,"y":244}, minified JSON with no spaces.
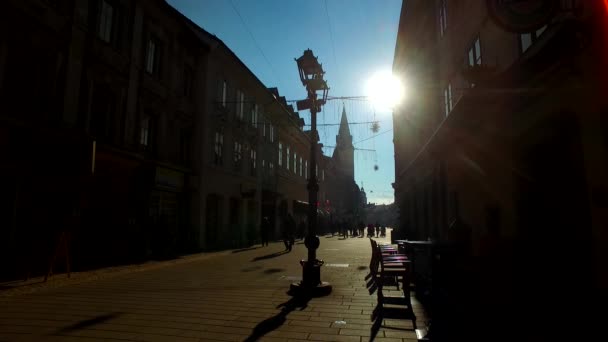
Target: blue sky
{"x":364,"y":34}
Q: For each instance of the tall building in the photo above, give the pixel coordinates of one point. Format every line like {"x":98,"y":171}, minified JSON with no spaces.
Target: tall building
{"x":343,"y":155}
{"x":141,"y":133}
{"x":343,"y":194}
{"x":97,"y":122}
{"x":502,"y":147}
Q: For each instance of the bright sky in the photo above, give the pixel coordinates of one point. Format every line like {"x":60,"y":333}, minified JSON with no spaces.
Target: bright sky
{"x":353,"y":40}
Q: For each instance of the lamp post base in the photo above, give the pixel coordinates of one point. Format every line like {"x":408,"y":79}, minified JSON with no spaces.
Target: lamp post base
{"x":311,"y":283}
{"x":322,"y":289}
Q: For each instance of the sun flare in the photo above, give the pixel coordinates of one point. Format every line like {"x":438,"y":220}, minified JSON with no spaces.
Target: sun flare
{"x":385,"y":90}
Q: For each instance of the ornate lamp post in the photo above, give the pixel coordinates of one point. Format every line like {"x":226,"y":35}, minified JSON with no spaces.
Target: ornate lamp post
{"x":311,"y":75}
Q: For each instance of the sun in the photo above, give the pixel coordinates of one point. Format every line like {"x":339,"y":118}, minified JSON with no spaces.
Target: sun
{"x":385,"y":90}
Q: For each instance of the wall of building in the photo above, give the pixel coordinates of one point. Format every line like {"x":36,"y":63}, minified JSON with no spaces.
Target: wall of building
{"x":125,"y":194}
{"x":514,"y":158}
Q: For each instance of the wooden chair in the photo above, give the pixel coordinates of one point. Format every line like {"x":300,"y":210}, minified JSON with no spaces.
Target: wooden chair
{"x":402,"y":300}
{"x":385,"y":267}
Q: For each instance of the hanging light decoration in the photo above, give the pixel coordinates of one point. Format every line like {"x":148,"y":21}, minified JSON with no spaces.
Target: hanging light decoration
{"x":376,"y":127}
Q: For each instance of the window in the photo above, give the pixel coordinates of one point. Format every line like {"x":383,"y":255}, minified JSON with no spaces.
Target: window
{"x":253,"y":161}
{"x":300,"y":166}
{"x":144,"y":131}
{"x":271,"y":133}
{"x":240,"y":98}
{"x":238,"y":156}
{"x":443,"y":17}
{"x":188,"y":74}
{"x":322,"y":175}
{"x":528,"y":39}
{"x":475,"y":53}
{"x":447,"y":96}
{"x":287,"y":160}
{"x":280,"y":154}
{"x":153,"y":56}
{"x":306,"y":169}
{"x":264,"y":129}
{"x":106,"y":20}
{"x":219,"y":148}
{"x":254,"y":116}
{"x":317,"y":170}
{"x":271,"y":167}
{"x":295,"y":162}
{"x":224,"y":90}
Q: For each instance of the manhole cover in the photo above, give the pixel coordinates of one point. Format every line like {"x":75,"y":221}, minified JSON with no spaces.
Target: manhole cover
{"x":336,"y":265}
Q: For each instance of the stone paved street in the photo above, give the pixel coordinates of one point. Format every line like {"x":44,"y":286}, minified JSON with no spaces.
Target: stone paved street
{"x":235,"y":296}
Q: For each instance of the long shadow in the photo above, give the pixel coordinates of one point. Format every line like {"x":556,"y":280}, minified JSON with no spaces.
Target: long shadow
{"x":18,"y":283}
{"x":87,"y":323}
{"x":245,"y":249}
{"x":251,"y":269}
{"x":379,"y":314}
{"x":277,"y":320}
{"x":274,"y":270}
{"x":270,"y":256}
{"x":371,"y":286}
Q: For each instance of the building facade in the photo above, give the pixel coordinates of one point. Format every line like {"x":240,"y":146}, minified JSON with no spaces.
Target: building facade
{"x":141,"y":134}
{"x":504,"y":135}
{"x":103,"y":91}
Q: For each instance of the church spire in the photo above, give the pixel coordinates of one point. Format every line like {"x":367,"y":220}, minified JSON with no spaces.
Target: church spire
{"x":344,"y":130}
{"x":344,"y":138}
{"x":343,"y":156}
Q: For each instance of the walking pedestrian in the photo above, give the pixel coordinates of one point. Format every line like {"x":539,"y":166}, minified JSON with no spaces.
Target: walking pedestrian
{"x":264,"y":230}
{"x":288,"y":229}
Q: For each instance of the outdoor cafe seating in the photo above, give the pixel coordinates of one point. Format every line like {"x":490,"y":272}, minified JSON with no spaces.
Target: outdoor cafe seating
{"x":389,"y":268}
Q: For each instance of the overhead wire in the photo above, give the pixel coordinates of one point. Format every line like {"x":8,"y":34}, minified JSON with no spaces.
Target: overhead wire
{"x":331,"y":38}
{"x":255,"y":41}
{"x":373,"y":136}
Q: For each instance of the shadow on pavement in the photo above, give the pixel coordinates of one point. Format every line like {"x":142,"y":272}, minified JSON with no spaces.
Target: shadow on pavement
{"x":270,"y":256}
{"x":18,"y":283}
{"x":245,"y":249}
{"x":88,"y":323}
{"x":274,"y":270}
{"x":277,"y":320}
{"x":250,"y":269}
{"x":371,"y":286}
{"x":379,"y":314}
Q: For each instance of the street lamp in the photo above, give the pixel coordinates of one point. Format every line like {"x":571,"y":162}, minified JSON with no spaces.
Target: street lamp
{"x":311,"y":75}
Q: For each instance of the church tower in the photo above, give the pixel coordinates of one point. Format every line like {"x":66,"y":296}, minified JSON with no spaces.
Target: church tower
{"x":344,"y":153}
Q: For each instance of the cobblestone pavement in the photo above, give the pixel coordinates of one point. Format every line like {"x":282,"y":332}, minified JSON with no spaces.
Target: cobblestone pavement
{"x":228,"y":296}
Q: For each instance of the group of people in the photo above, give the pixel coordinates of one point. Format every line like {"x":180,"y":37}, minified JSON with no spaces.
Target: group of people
{"x":290,"y":230}
{"x":343,"y":228}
